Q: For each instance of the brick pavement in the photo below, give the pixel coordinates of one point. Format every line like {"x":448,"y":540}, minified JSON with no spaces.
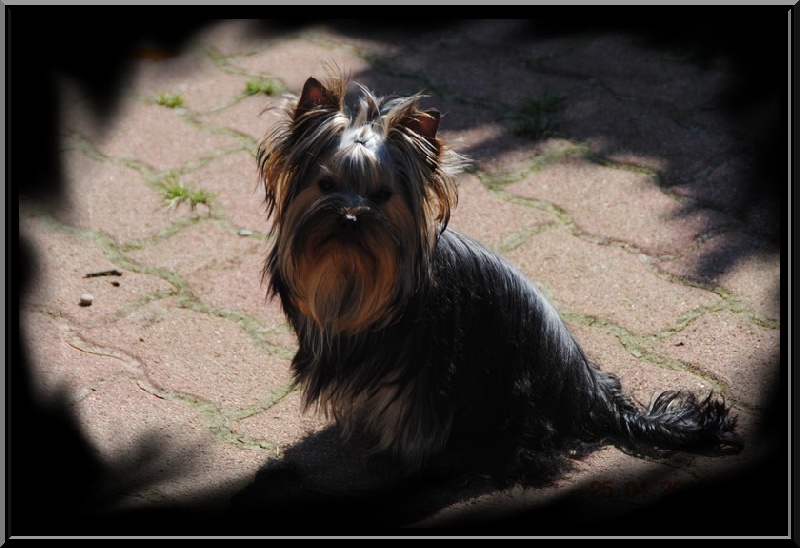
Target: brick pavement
{"x":605,"y":167}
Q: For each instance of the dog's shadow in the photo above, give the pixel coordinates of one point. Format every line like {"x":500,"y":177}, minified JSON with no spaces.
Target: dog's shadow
{"x":327,"y":485}
{"x":324,"y":486}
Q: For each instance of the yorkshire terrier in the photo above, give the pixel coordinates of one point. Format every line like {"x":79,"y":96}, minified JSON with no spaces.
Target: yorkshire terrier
{"x":416,"y":337}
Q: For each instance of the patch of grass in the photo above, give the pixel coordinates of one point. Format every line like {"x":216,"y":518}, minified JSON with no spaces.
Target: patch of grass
{"x":535,"y":118}
{"x":169,"y":100}
{"x":176,"y":192}
{"x":681,"y":53}
{"x":263,"y":86}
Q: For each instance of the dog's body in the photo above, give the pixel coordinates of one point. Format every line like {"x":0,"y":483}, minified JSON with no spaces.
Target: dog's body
{"x":435,"y":348}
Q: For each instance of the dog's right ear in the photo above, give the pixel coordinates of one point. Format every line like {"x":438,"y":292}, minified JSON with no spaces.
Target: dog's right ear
{"x":314,"y":96}
{"x":425,"y":123}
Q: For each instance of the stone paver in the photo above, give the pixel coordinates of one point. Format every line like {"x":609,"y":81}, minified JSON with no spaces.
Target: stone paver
{"x":604,"y":168}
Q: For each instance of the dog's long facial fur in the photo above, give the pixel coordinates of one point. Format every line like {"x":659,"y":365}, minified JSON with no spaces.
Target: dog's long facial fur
{"x":419,"y":337}
{"x":358,"y":202}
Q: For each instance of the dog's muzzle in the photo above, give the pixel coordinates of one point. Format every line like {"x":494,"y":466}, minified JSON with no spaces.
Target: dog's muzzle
{"x":353,"y":207}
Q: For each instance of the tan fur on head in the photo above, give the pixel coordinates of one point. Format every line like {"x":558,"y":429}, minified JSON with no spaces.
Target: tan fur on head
{"x":344,"y":286}
{"x":386,"y":159}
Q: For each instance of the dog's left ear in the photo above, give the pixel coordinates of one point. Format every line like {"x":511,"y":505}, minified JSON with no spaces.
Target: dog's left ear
{"x":425,"y":123}
{"x":325,"y":99}
{"x":314,"y":95}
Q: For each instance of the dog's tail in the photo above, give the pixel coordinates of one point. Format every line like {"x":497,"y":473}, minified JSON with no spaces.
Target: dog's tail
{"x":674,"y":420}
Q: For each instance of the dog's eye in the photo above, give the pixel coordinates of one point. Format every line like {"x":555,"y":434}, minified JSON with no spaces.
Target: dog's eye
{"x":381,"y":196}
{"x":326,"y":185}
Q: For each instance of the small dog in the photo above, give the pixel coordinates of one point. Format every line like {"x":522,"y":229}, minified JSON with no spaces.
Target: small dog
{"x":437,"y":350}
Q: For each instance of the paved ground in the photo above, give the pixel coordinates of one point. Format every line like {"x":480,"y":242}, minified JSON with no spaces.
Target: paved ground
{"x":619,"y":173}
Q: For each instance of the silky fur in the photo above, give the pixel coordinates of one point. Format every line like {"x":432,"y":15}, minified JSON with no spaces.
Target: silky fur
{"x":417,"y":337}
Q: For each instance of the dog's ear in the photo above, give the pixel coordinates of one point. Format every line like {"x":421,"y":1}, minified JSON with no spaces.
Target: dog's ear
{"x":425,"y":123}
{"x":314,"y":96}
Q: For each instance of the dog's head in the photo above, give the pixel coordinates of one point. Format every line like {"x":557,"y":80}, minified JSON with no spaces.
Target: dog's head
{"x":358,"y":199}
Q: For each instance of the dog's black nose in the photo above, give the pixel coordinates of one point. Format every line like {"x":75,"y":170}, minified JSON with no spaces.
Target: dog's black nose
{"x":350,"y":215}
{"x":348,"y":221}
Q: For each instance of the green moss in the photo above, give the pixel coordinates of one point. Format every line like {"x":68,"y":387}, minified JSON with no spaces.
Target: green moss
{"x":168,"y":100}
{"x":536,"y":118}
{"x":263,"y":86}
{"x":176,"y":192}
